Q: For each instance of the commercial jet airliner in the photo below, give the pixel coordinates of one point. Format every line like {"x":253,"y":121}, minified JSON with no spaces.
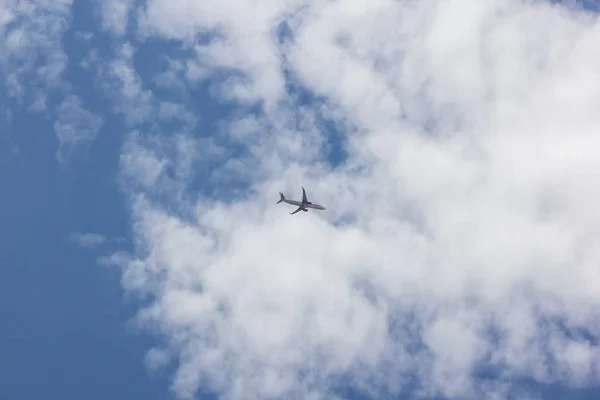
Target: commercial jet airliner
{"x":303,"y":205}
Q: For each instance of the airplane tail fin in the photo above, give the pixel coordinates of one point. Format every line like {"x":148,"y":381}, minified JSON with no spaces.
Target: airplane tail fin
{"x":282,"y":197}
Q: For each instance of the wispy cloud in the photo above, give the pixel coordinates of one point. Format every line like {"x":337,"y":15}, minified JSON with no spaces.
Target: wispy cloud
{"x":32,"y":65}
{"x":91,"y":240}
{"x":88,"y":239}
{"x":32,"y":59}
{"x":133,"y":100}
{"x":74,"y":125}
{"x":115,"y":15}
{"x":470,"y":183}
{"x":141,"y":163}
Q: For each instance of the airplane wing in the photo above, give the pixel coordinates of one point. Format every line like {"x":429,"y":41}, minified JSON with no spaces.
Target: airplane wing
{"x":299,"y":208}
{"x":304,"y":199}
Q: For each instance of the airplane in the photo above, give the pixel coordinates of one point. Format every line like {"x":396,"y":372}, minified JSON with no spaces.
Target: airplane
{"x":302,"y":205}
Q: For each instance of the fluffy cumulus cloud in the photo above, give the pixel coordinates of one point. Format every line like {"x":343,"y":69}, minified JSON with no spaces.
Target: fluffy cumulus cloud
{"x":458,"y":253}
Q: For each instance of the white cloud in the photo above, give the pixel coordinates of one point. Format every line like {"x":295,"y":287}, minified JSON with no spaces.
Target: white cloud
{"x":160,"y":168}
{"x":132,"y":99}
{"x":156,"y":359}
{"x":30,"y":36}
{"x":172,"y":78}
{"x":169,"y":111}
{"x":468,"y":201}
{"x":75,"y":124}
{"x":115,"y":15}
{"x":248,"y":40}
{"x":88,"y":239}
{"x":140,"y":163}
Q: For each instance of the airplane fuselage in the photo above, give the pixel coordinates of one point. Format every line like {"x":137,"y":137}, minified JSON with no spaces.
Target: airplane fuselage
{"x":305,"y":205}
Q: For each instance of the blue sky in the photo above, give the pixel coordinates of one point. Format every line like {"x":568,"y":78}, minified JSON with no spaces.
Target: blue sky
{"x":141,"y":158}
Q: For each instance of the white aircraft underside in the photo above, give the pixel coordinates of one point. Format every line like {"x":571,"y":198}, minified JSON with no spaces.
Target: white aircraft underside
{"x":303,"y":205}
